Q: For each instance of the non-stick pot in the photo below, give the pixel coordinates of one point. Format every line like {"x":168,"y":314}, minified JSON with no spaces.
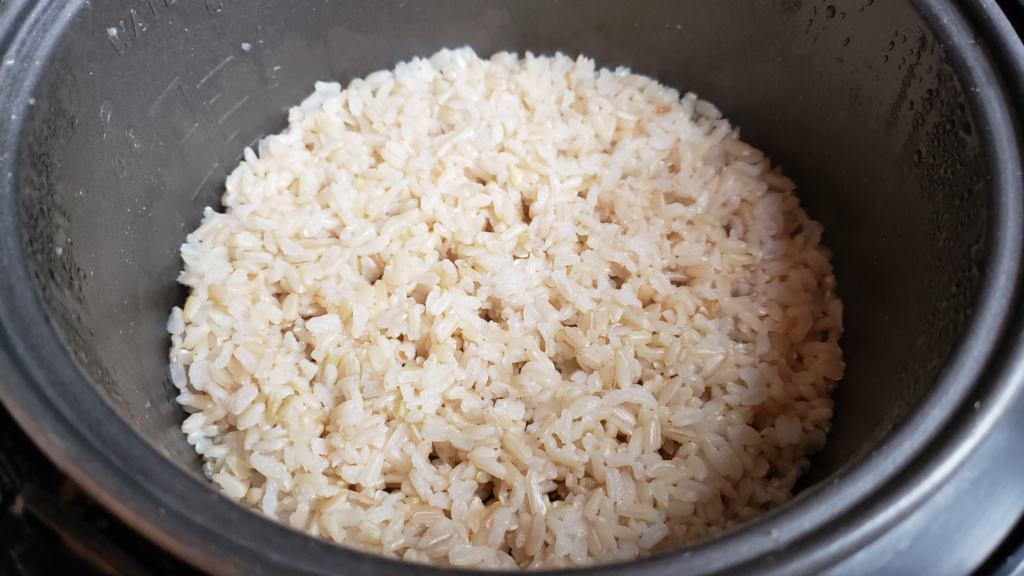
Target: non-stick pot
{"x":898,"y":120}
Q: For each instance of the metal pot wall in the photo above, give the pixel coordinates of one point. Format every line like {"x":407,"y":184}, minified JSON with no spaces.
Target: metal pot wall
{"x":896,"y":118}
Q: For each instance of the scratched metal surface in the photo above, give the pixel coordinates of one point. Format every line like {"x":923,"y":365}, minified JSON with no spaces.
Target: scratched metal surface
{"x":155,"y":141}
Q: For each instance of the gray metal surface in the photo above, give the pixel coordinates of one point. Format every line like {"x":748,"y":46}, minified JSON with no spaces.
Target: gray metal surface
{"x":964,"y":523}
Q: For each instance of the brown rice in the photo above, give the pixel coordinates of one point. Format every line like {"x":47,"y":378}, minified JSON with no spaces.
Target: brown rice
{"x":516,"y":312}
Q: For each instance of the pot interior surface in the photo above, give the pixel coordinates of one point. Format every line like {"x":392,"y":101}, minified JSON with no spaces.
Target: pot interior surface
{"x":143,"y":107}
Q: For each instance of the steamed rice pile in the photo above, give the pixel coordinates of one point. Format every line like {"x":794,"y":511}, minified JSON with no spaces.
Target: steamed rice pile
{"x":507,"y":312}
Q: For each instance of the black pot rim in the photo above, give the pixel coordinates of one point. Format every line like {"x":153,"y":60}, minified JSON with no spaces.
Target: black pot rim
{"x":79,"y":430}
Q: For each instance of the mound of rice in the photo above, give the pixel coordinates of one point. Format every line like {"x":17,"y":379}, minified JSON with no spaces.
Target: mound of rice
{"x":515,"y":312}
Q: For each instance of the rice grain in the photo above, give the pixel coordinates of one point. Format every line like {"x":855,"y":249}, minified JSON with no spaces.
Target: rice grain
{"x":509,"y":312}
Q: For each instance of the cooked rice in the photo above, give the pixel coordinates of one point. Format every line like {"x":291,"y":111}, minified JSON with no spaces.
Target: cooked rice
{"x":507,"y":312}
